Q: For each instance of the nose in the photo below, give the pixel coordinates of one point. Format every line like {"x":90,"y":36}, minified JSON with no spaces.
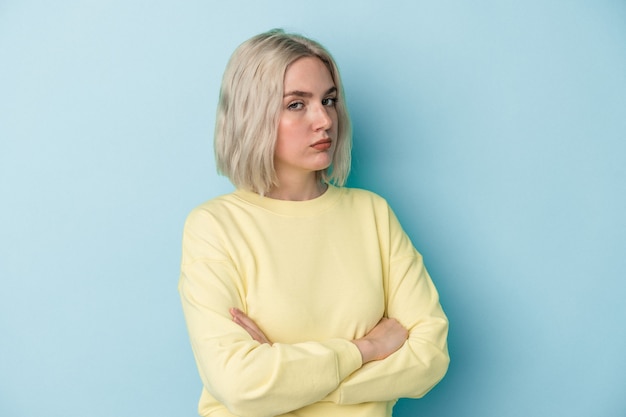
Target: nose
{"x":321,"y":118}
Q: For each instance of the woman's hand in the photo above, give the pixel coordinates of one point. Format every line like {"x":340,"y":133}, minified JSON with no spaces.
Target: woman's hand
{"x":248,"y":325}
{"x":384,"y":339}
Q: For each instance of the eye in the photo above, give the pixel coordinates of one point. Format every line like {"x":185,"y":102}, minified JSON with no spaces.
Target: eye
{"x":296,"y":105}
{"x":329,"y":101}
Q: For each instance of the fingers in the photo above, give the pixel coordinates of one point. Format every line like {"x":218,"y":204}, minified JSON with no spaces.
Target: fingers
{"x":240,"y":318}
{"x":391,"y":325}
{"x":383,"y":340}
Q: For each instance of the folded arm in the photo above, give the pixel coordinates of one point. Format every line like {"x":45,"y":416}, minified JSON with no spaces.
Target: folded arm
{"x":247,"y":377}
{"x":384,"y":339}
{"x":412,"y":299}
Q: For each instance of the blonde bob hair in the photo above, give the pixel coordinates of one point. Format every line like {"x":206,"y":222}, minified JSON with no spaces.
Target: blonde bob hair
{"x":250,"y":104}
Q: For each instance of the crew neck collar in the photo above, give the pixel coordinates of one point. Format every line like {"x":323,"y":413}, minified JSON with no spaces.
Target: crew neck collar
{"x":292,"y":208}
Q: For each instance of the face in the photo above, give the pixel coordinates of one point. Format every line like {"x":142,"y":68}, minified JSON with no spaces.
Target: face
{"x":307,"y":129}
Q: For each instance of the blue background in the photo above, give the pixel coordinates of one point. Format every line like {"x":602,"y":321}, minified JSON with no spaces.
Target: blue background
{"x":496,"y":130}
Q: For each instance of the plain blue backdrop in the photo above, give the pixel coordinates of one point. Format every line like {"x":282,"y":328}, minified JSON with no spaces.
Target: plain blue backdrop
{"x":496,"y":130}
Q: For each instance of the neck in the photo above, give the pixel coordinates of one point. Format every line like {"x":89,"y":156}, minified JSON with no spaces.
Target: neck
{"x":297,"y":190}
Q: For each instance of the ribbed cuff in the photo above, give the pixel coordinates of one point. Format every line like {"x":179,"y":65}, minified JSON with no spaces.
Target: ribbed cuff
{"x":348,"y":357}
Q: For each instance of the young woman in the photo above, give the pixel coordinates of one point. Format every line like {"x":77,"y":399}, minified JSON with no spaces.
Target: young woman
{"x":302,"y":297}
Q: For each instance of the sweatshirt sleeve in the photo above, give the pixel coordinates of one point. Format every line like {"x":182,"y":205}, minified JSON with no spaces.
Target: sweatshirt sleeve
{"x":248,"y":378}
{"x":412,"y":299}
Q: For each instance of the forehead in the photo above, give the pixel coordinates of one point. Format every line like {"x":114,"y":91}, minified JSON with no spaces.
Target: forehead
{"x":308,"y":73}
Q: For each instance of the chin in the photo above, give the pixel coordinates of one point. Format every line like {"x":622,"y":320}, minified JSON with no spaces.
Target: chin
{"x":321,"y":167}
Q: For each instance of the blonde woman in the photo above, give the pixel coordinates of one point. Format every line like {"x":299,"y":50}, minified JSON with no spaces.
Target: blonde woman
{"x":302,"y":297}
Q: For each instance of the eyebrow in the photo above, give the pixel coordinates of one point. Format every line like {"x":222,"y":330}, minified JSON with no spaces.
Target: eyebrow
{"x":306,"y":94}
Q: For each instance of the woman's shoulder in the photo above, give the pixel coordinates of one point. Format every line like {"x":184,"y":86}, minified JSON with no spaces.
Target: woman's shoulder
{"x":363,"y":195}
{"x":215,"y":207}
{"x":217,"y":202}
{"x":365,"y":202}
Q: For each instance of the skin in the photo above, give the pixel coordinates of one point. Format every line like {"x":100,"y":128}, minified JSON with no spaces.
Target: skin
{"x":308,"y":116}
{"x":305,"y":144}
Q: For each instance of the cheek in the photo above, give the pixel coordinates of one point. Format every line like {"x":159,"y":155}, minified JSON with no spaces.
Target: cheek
{"x":288,"y":127}
{"x":335,"y":119}
{"x":282,"y":126}
{"x":285,"y":135}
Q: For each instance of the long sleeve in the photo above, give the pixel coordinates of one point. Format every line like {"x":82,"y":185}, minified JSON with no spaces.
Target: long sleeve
{"x":411,"y":298}
{"x":248,"y":378}
{"x":313,"y":275}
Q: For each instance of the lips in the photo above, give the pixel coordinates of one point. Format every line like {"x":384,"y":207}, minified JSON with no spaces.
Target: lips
{"x":322,"y":145}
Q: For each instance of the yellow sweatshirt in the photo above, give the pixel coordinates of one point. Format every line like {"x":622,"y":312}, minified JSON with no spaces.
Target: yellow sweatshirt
{"x":313,"y":275}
